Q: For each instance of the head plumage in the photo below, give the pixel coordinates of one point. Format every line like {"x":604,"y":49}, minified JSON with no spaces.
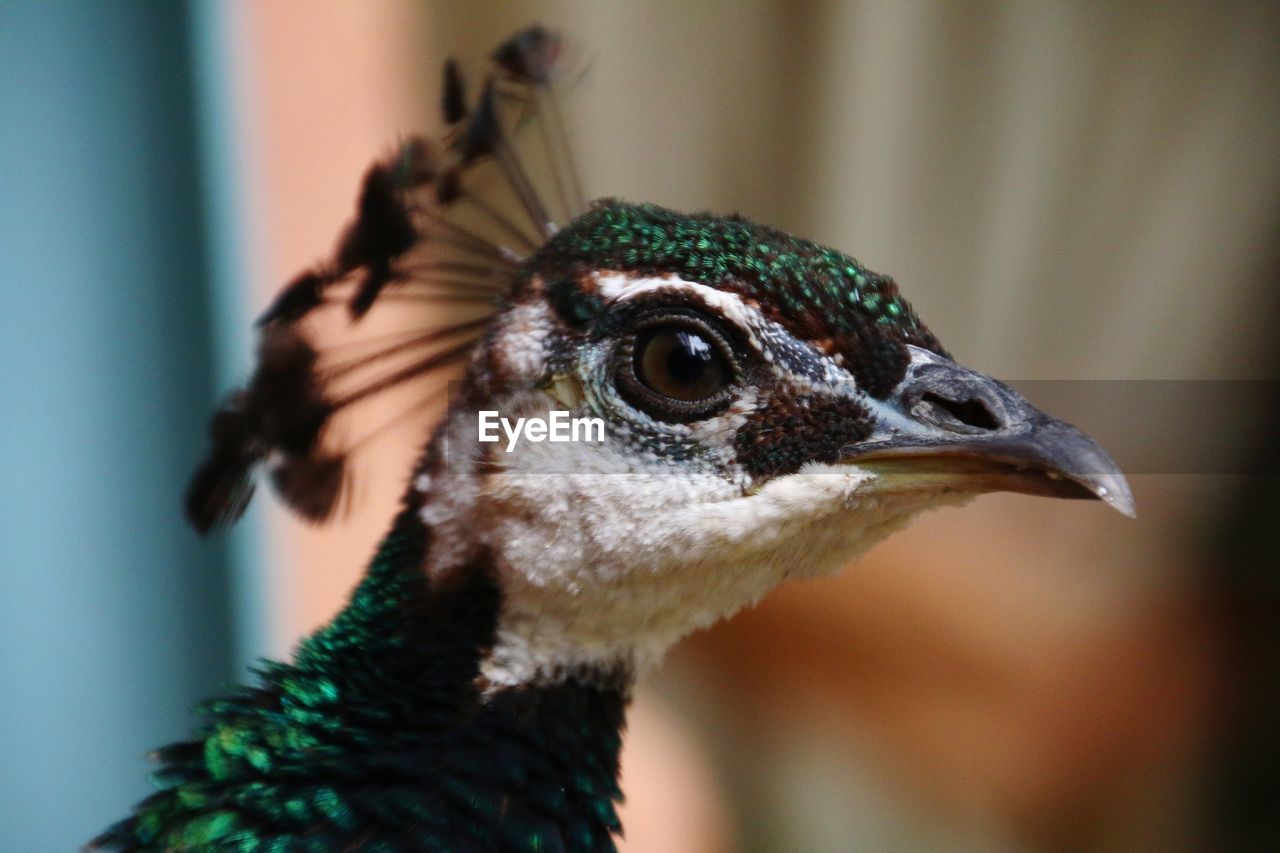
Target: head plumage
{"x":432,"y":228}
{"x":821,"y":296}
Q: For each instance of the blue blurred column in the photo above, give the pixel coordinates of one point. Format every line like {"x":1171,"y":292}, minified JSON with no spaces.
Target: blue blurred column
{"x":113,"y":616}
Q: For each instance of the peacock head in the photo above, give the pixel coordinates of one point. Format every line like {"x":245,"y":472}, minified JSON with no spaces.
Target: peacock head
{"x":768,"y":408}
{"x":753,"y":406}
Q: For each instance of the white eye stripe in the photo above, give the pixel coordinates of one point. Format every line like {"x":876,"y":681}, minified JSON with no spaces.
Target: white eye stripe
{"x":783,"y":352}
{"x":620,"y":287}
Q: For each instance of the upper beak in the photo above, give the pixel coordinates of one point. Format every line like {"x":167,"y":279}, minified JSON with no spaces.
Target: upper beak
{"x":982,"y":430}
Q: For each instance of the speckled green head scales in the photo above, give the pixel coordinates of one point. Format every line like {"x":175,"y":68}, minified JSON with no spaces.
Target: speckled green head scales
{"x":821,"y":296}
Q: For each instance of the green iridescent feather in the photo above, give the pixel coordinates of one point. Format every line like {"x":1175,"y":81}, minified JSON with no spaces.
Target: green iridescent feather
{"x":818,"y":294}
{"x":375,"y":738}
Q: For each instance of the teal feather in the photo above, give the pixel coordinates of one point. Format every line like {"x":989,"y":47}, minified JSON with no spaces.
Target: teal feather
{"x":376,"y":737}
{"x":806,"y":287}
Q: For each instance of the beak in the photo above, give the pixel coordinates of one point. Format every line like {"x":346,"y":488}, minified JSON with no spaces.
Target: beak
{"x":979,"y":433}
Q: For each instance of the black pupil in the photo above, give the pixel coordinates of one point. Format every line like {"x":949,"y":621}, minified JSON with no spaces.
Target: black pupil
{"x":680,"y":363}
{"x":689,"y":358}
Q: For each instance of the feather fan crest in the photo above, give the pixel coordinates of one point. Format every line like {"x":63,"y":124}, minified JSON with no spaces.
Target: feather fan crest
{"x":442,"y":225}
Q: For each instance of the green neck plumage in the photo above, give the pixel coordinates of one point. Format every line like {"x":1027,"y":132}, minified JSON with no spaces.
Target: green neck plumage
{"x":377,"y":736}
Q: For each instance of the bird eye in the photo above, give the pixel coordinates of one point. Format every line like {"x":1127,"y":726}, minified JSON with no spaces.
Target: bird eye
{"x":678,"y":369}
{"x":680,"y":363}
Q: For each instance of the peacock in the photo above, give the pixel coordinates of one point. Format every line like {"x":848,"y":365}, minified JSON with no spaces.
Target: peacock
{"x":760,"y":407}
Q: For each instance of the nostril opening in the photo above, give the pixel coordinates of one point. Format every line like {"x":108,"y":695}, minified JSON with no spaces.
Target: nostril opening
{"x":973,"y":413}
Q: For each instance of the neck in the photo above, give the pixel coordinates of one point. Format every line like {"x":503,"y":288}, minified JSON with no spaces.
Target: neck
{"x":404,"y":661}
{"x":382,"y":734}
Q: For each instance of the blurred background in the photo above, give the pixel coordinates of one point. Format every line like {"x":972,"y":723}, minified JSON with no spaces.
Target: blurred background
{"x":1083,"y":198}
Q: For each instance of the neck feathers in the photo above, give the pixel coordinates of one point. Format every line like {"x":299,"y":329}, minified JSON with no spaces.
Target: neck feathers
{"x":381,"y":731}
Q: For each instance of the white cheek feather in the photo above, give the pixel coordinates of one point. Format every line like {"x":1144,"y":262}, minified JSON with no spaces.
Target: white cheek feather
{"x":606,"y":568}
{"x":522,"y":334}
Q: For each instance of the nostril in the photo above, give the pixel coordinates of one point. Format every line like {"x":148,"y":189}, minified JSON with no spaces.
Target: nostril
{"x":971,"y":413}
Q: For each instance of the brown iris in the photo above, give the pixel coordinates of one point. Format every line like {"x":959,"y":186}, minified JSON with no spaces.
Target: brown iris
{"x":678,"y":368}
{"x":681,"y":364}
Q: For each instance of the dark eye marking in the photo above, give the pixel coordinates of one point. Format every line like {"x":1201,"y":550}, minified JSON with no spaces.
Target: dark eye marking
{"x":789,"y":431}
{"x":677,"y":366}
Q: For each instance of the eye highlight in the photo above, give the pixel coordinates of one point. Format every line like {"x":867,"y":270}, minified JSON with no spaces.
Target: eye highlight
{"x":677,"y":368}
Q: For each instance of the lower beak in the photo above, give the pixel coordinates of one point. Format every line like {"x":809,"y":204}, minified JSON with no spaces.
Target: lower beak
{"x":981,"y":435}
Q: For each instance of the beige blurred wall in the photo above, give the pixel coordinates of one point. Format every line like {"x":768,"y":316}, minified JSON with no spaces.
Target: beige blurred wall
{"x":327,"y":88}
{"x":1064,"y":190}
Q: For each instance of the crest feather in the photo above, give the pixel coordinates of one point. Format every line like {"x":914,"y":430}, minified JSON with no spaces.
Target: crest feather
{"x":432,"y":227}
